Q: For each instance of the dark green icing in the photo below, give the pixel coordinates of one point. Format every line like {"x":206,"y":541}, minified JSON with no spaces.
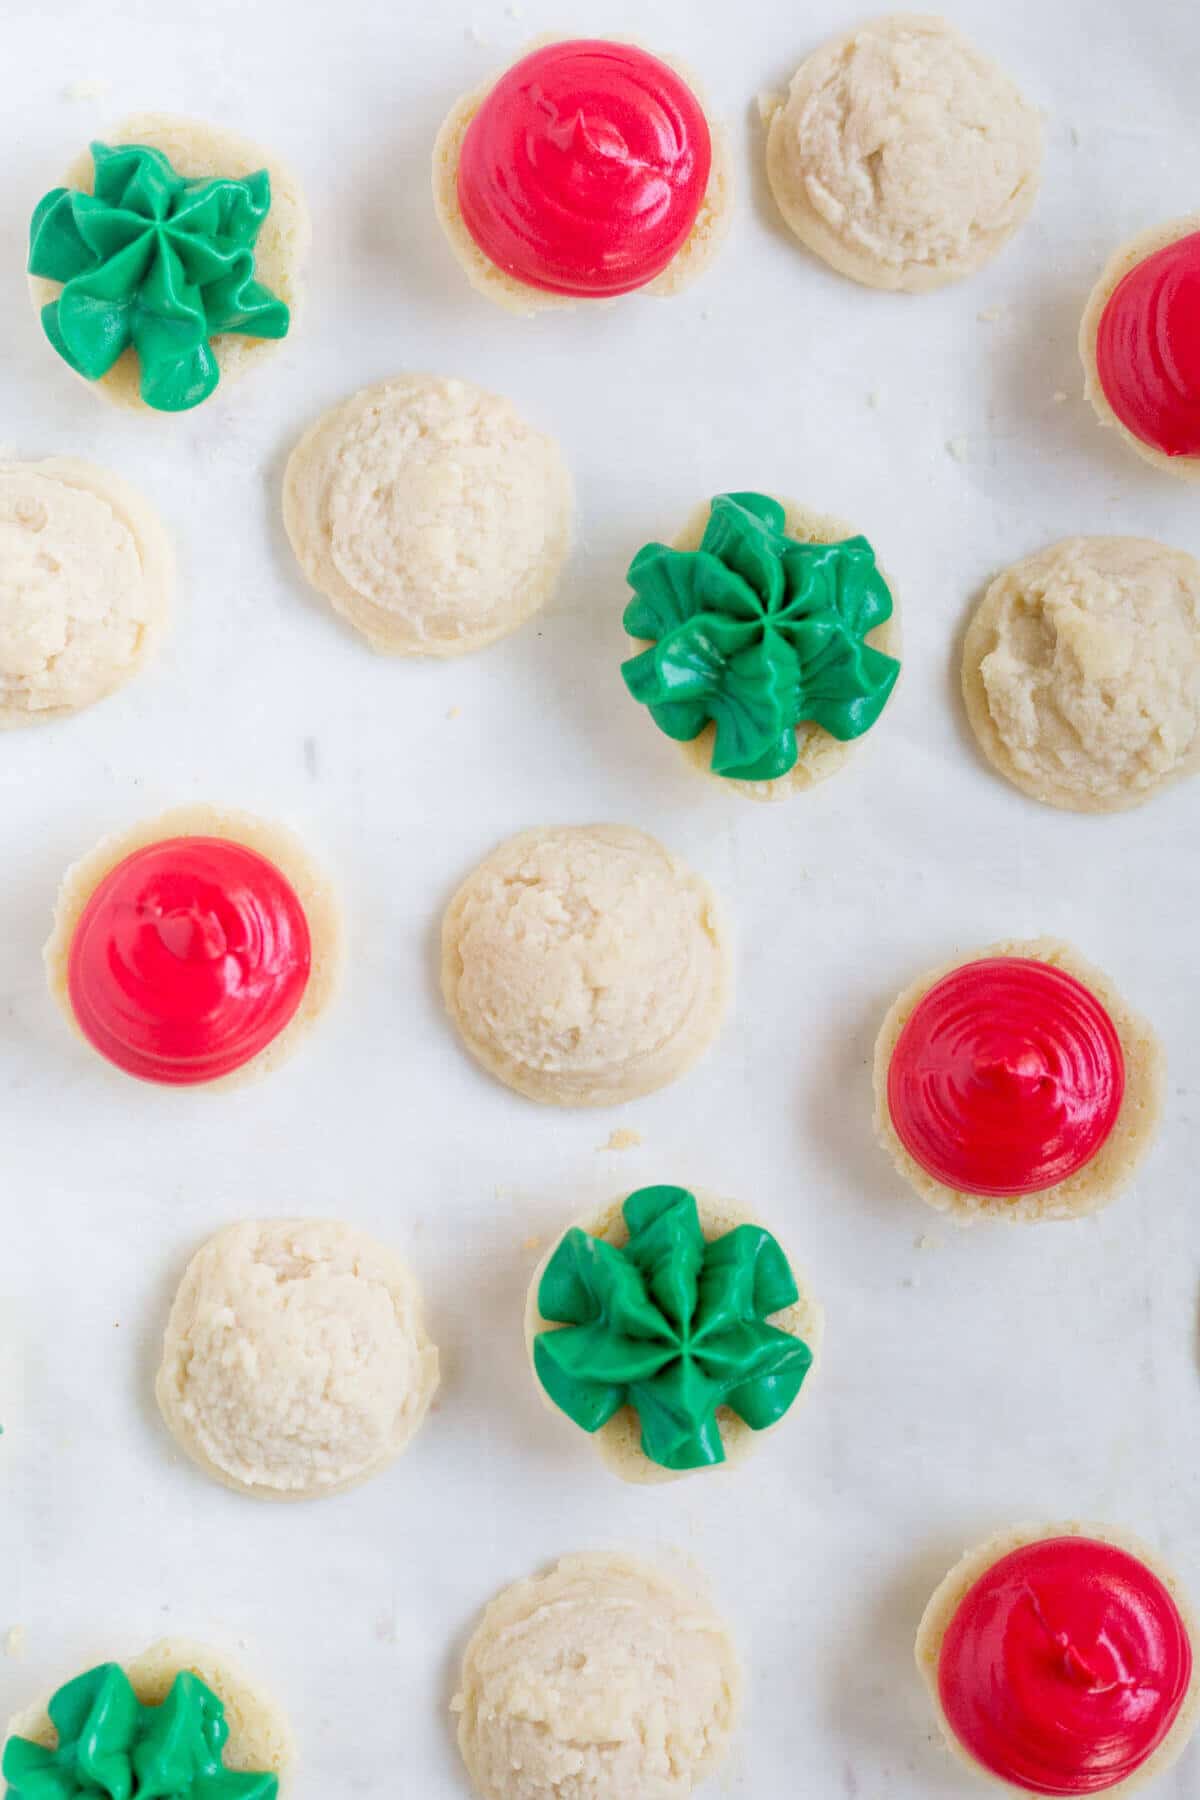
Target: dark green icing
{"x":111,"y":1747}
{"x":758,"y":633}
{"x":672,"y":1325}
{"x":153,"y":260}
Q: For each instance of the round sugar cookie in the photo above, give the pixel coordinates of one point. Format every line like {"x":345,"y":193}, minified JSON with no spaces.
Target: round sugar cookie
{"x":197,"y":930}
{"x":902,"y":156}
{"x":260,"y":1736}
{"x":1081,"y":672}
{"x":1107,"y":1683}
{"x":202,"y":152}
{"x":295,"y":1362}
{"x":1128,"y":1137}
{"x":699,"y":249}
{"x":429,"y":514}
{"x":604,"y":1679}
{"x":818,"y":754}
{"x":1157,"y":320}
{"x":584,"y":965}
{"x":619,"y":1442}
{"x":86,"y":573}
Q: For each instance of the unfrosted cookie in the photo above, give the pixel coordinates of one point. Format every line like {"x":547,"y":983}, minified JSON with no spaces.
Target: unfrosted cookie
{"x":902,"y":156}
{"x":260,"y":1737}
{"x":585,"y":965}
{"x":295,"y":1362}
{"x":429,"y":514}
{"x":586,"y":170}
{"x":756,"y":1330}
{"x":197,"y":947}
{"x":86,"y":573}
{"x":1017,"y":1084}
{"x":1138,"y":340}
{"x":605,"y":1679}
{"x":266,"y":271}
{"x":1081,"y":672}
{"x":677,"y":595}
{"x":1062,"y":1659}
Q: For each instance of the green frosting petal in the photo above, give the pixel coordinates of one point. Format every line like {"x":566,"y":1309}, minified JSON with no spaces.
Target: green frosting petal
{"x":758,"y":633}
{"x":672,"y":1325}
{"x":110,"y":1745}
{"x":157,"y":261}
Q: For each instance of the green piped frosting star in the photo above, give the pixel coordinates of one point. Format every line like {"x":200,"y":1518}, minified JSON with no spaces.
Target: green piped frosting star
{"x":758,"y":633}
{"x":111,"y":1747}
{"x":672,"y":1325}
{"x":153,"y":260}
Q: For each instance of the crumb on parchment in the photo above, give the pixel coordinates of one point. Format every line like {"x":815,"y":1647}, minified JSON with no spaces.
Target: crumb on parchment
{"x":624,"y":1138}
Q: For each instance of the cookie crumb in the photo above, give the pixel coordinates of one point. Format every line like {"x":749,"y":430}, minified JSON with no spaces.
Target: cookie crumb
{"x":768,"y":105}
{"x":1075,"y":136}
{"x":911,"y":1281}
{"x":454,"y":712}
{"x":874,"y":399}
{"x":514,"y":11}
{"x":14,"y":1643}
{"x":531,"y":1243}
{"x":90,"y":87}
{"x":624,"y":1138}
{"x":990,"y":314}
{"x":928,"y":1240}
{"x":958,"y":448}
{"x":1061,"y":397}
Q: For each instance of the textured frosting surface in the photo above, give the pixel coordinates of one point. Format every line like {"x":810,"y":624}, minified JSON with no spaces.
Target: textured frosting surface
{"x":296,"y":1361}
{"x":1081,"y":671}
{"x":86,"y":573}
{"x":603,"y":1680}
{"x":902,"y":155}
{"x":430,"y":514}
{"x":585,"y":964}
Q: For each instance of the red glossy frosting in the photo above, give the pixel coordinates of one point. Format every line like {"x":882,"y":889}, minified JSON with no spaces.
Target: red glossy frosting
{"x":1065,"y":1666}
{"x":1148,"y":349}
{"x":1007,"y":1077}
{"x":188,"y":959}
{"x":584,"y":168}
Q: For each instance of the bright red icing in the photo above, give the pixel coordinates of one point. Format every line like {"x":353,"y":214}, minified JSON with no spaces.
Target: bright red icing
{"x":1148,"y":349}
{"x":1065,"y":1666}
{"x":584,"y":168}
{"x":1007,"y":1077}
{"x":188,"y":959}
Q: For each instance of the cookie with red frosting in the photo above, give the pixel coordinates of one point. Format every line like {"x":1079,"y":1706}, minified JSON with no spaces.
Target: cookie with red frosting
{"x":1017,"y":1084}
{"x":588,"y":169}
{"x":1140,"y":345}
{"x":196,"y":948}
{"x":1062,"y":1660}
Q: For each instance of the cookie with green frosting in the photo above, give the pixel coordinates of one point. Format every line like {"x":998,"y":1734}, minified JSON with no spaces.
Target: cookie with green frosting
{"x":673,"y":1329}
{"x":176,"y":1723}
{"x":767,"y":642}
{"x":168,"y":262}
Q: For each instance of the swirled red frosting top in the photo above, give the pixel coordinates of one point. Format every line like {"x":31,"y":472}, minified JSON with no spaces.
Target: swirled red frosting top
{"x":584,"y":169}
{"x":189,"y":958}
{"x":1065,"y":1666}
{"x":1007,"y":1077}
